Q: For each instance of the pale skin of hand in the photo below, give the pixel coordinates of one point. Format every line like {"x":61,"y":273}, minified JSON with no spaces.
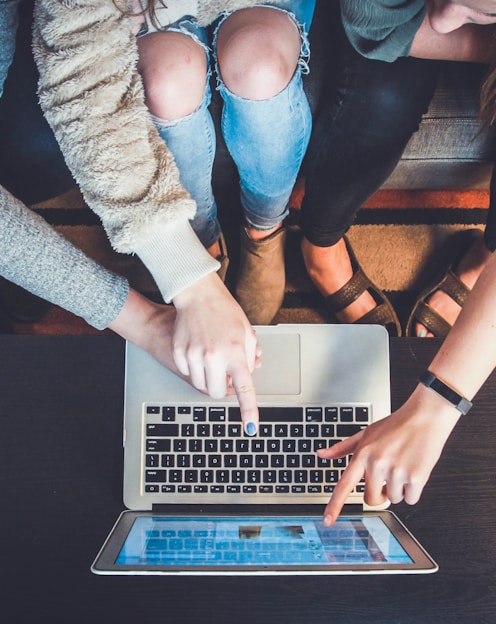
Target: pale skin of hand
{"x":397,"y":454}
{"x":215,"y":346}
{"x":151,"y":327}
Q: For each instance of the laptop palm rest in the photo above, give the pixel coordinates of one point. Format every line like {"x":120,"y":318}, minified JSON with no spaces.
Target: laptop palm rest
{"x":280,"y":373}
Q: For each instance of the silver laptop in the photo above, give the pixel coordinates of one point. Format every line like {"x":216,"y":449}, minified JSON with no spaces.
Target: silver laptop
{"x":205,"y":498}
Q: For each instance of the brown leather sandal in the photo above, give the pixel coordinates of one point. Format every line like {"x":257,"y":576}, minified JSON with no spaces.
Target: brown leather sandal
{"x":383,"y":314}
{"x":441,"y":276}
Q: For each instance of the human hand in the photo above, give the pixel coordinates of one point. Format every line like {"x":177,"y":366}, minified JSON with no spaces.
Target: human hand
{"x":150,"y":326}
{"x":215,"y":346}
{"x":395,"y":455}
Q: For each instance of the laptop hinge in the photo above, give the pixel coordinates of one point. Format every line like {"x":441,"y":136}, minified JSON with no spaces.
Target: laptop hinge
{"x":231,"y":509}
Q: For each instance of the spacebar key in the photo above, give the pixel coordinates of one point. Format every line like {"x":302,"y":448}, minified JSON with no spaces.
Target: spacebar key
{"x":272,"y":414}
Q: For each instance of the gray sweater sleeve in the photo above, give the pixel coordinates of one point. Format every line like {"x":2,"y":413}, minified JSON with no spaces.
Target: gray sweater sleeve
{"x":92,"y":97}
{"x":36,"y":257}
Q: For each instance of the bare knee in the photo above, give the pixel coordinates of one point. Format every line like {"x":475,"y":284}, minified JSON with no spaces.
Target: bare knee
{"x":258,"y":51}
{"x":174,"y":69}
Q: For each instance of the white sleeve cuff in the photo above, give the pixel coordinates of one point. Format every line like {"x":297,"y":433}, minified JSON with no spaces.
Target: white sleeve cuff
{"x":175,"y":257}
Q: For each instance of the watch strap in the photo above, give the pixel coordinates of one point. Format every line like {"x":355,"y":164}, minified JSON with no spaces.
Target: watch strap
{"x":429,"y":380}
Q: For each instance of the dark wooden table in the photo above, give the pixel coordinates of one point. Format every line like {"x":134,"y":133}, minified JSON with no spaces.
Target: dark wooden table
{"x":61,"y":479}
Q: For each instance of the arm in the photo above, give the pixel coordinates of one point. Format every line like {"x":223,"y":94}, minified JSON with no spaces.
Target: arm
{"x":93,"y":98}
{"x":402,"y":449}
{"x":35,"y":256}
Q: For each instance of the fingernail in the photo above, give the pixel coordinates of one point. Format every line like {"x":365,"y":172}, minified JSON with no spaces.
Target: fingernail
{"x":422,"y":333}
{"x":327,"y":519}
{"x":251,"y":429}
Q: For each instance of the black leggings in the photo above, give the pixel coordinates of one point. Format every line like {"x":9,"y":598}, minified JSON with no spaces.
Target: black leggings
{"x":369,"y":111}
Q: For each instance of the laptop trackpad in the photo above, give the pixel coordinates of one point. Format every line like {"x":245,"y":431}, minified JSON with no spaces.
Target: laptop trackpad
{"x":281,"y":361}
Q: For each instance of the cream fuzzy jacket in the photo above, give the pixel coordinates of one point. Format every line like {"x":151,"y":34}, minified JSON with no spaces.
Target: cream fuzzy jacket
{"x":92,"y":96}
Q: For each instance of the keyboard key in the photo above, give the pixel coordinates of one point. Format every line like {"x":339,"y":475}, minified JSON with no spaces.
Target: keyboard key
{"x":214,"y":461}
{"x":257,"y":446}
{"x":346,"y":414}
{"x":169,"y":413}
{"x":253,"y":476}
{"x":273,"y":446}
{"x":152,"y":461}
{"x":199,"y":414}
{"x":168,"y":460}
{"x":211,"y":446}
{"x":219,"y":431}
{"x":313,"y":414}
{"x":155,"y":476}
{"x":245,"y":461}
{"x":195,"y":446}
{"x":162,"y":430}
{"x":206,"y":476}
{"x":331,"y":414}
{"x":187,"y":430}
{"x":158,"y":446}
{"x":362,"y":414}
{"x":312,"y":431}
{"x":281,"y":431}
{"x":230,"y":461}
{"x":217,"y":414}
{"x":345,"y":431}
{"x":296,"y":431}
{"x":265,"y":431}
{"x":179,"y":446}
{"x":234,"y":431}
{"x":269,"y":476}
{"x":262,"y":461}
{"x":203,"y":430}
{"x":289,"y":446}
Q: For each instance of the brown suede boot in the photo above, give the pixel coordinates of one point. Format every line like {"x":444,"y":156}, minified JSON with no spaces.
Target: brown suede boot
{"x":261,"y":276}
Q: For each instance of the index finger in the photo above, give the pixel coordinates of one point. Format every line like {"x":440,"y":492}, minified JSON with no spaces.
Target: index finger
{"x":350,"y":477}
{"x":244,"y":387}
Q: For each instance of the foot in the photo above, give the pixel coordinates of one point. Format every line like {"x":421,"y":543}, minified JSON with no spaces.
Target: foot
{"x":468,"y":270}
{"x":330,"y":269}
{"x":260,"y":282}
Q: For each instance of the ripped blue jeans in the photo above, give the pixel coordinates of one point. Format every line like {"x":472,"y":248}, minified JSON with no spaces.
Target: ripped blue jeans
{"x":267,"y":139}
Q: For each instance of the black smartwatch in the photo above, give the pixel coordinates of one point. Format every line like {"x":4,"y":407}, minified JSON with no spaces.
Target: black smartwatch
{"x":429,"y":380}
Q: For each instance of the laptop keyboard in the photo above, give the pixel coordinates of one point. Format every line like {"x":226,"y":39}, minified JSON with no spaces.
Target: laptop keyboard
{"x":204,"y":450}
